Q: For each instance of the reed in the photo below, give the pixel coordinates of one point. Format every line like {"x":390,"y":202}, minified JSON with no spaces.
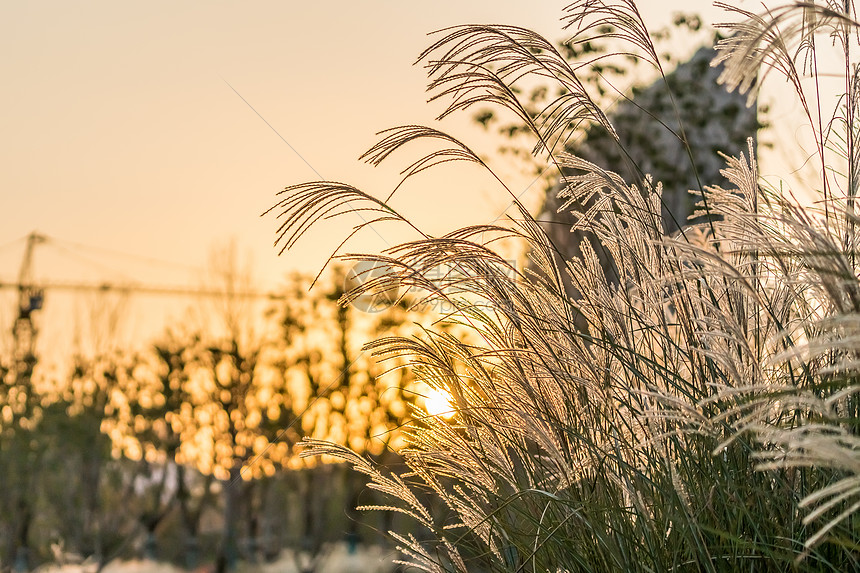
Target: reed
{"x":695,"y":405}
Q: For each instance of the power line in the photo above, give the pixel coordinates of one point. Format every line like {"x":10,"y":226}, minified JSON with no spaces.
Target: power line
{"x":14,"y":242}
{"x":142,"y":258}
{"x":87,"y":261}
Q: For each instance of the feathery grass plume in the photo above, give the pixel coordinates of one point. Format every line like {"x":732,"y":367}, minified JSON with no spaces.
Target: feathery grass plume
{"x":482,"y":65}
{"x":783,"y":40}
{"x":697,"y":410}
{"x":594,"y":19}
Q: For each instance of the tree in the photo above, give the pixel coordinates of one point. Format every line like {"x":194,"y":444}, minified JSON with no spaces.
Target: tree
{"x":88,"y":506}
{"x":231,"y":396}
{"x":20,"y":413}
{"x":340,"y":394}
{"x":153,"y":416}
{"x":672,"y":127}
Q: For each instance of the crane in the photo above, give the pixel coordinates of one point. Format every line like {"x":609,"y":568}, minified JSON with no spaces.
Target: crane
{"x":31,"y":297}
{"x":29,"y":300}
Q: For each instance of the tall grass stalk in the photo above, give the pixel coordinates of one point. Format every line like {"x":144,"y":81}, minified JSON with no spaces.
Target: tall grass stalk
{"x":695,"y":407}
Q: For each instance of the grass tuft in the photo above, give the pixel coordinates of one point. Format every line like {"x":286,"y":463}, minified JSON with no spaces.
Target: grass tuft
{"x":695,"y":405}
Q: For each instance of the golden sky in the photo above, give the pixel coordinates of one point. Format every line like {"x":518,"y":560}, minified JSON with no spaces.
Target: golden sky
{"x":120,"y":129}
{"x":160,"y":128}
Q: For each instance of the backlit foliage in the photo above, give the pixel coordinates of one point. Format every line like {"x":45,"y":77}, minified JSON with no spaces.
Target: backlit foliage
{"x":694,"y":406}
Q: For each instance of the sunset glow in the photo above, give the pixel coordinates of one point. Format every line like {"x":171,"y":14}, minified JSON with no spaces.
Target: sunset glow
{"x":438,"y":403}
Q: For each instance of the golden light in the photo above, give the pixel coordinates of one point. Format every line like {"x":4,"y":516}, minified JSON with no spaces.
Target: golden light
{"x":438,"y":403}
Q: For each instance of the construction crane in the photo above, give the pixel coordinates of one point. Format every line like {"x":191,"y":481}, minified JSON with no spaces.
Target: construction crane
{"x":31,"y":298}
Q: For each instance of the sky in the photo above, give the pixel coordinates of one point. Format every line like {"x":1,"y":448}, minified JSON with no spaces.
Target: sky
{"x":140,"y":134}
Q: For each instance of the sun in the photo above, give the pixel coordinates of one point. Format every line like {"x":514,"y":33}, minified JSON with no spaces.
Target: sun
{"x":438,"y":403}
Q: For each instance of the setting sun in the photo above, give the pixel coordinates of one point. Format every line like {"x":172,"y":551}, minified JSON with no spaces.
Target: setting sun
{"x":438,"y":403}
